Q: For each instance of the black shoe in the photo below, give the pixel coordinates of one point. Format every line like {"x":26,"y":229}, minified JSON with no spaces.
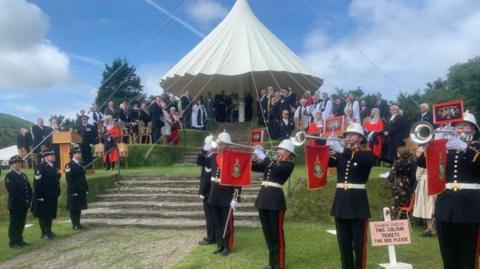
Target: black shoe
{"x":47,"y":237}
{"x":52,"y":234}
{"x":76,"y":228}
{"x":218,"y":250}
{"x":226,"y":252}
{"x":15,"y":246}
{"x":81,"y":227}
{"x":23,"y":243}
{"x":205,"y":242}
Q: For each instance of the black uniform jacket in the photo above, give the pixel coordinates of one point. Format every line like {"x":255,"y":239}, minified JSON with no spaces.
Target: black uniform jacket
{"x":89,"y":134}
{"x":205,"y":175}
{"x":19,"y":191}
{"x":272,"y":198}
{"x":77,"y":186}
{"x":219,"y":195}
{"x":353,"y":167}
{"x":461,"y":206}
{"x":47,"y":182}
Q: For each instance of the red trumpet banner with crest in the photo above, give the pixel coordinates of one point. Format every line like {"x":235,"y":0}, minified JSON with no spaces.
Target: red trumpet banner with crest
{"x":316,"y":159}
{"x":236,"y":167}
{"x":436,"y":155}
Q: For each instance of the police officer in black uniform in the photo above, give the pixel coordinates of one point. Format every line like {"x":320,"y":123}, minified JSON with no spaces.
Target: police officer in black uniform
{"x":46,"y":192}
{"x":457,"y":210}
{"x":204,"y":190}
{"x":77,"y":187}
{"x":19,"y":199}
{"x":271,"y":200}
{"x":222,"y":199}
{"x":350,"y":205}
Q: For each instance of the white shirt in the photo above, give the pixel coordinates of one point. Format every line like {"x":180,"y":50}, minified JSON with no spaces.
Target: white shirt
{"x":355,"y":110}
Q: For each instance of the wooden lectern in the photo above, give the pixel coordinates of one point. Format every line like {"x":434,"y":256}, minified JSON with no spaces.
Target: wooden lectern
{"x":64,"y":140}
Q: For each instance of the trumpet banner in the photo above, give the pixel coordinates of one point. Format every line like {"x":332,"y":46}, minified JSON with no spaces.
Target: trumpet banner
{"x":436,"y":155}
{"x":235,"y":167}
{"x":316,"y":159}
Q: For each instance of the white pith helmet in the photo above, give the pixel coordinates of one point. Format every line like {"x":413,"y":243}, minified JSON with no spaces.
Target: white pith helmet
{"x":355,"y":128}
{"x":470,"y":118}
{"x":224,"y":137}
{"x":287,"y":145}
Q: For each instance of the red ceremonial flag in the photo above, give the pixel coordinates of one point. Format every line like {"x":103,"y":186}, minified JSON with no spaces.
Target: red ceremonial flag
{"x":436,"y":154}
{"x":316,"y":158}
{"x":236,"y":167}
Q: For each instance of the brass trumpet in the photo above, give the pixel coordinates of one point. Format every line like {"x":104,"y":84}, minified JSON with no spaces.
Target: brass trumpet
{"x":423,"y":132}
{"x":301,"y":137}
{"x":270,"y":153}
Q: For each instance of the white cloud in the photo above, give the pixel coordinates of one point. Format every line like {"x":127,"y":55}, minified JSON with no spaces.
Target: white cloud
{"x":412,"y":44}
{"x":206,"y":11}
{"x":150,"y":74}
{"x":27,"y":59}
{"x":23,"y":108}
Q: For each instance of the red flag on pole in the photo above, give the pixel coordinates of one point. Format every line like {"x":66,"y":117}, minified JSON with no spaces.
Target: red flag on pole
{"x":316,"y":158}
{"x":236,"y":166}
{"x":436,"y":154}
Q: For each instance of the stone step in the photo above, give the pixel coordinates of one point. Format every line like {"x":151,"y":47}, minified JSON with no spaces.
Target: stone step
{"x":177,"y":223}
{"x":100,"y":212}
{"x":168,"y":206}
{"x":188,"y":190}
{"x":161,"y":177}
{"x":170,"y":183}
{"x":161,"y":197}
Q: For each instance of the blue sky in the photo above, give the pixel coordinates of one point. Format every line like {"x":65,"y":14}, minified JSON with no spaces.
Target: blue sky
{"x":349,"y":43}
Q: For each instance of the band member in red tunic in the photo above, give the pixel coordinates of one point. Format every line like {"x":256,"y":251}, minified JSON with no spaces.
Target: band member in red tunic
{"x":110,"y":136}
{"x":374,"y":128}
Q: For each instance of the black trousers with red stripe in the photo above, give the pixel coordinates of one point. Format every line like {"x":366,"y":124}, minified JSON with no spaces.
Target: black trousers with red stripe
{"x":352,"y":241}
{"x":458,"y":244}
{"x":272,"y":225}
{"x":220,"y":216}
{"x":207,"y":208}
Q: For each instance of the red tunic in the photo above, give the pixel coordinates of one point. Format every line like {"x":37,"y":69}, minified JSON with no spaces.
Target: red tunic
{"x":111,"y":148}
{"x":375,"y":146}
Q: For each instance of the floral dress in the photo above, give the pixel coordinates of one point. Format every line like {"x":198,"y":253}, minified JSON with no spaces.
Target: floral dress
{"x":402,"y":178}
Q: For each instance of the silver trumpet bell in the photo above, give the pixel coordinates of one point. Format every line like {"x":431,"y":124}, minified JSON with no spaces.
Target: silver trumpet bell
{"x":423,"y":132}
{"x":301,"y":137}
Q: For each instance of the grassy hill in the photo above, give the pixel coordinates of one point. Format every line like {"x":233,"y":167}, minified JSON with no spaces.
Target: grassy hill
{"x":9,"y":128}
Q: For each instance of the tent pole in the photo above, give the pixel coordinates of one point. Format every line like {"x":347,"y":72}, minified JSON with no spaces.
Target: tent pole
{"x":241,"y":107}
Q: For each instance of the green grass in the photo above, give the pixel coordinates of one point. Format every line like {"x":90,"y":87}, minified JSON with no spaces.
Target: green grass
{"x":308,"y":245}
{"x":32,"y":235}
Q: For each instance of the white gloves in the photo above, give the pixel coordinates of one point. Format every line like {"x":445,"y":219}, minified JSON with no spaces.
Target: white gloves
{"x":456,"y":144}
{"x":202,"y":197}
{"x":75,"y":194}
{"x":259,"y":152}
{"x":41,"y":200}
{"x":207,"y":147}
{"x":335,"y":145}
{"x":370,"y":136}
{"x":233,"y":204}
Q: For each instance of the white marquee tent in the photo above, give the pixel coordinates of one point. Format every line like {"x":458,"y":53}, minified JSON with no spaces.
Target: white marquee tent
{"x":7,"y":153}
{"x":240,"y":55}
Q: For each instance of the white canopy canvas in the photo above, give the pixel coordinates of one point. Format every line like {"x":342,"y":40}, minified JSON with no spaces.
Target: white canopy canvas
{"x":7,"y":153}
{"x":240,"y":55}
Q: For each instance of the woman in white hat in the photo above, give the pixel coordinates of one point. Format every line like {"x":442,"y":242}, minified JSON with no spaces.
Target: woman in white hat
{"x":350,"y":205}
{"x":271,"y":200}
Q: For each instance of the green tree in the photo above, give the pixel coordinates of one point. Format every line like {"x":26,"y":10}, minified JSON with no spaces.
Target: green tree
{"x":463,"y":82}
{"x":119,"y":82}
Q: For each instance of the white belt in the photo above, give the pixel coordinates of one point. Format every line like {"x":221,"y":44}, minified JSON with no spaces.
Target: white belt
{"x":215,"y":179}
{"x":347,"y":186}
{"x":455,"y":186}
{"x":271,"y":184}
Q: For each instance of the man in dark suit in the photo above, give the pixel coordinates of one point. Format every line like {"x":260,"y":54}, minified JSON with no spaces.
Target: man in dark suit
{"x":425,"y":114}
{"x":185,"y":103}
{"x":111,"y":110}
{"x":156,"y":114}
{"x":41,"y":138}
{"x":292,"y":98}
{"x":381,"y":104}
{"x":262,"y":107}
{"x":364,"y":110}
{"x":220,"y":106}
{"x":89,"y":137}
{"x":285,"y":125}
{"x":394,"y":134}
{"x":24,"y":143}
{"x":248,"y":107}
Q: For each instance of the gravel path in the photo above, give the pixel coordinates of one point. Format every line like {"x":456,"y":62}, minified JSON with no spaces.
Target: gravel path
{"x":112,"y":248}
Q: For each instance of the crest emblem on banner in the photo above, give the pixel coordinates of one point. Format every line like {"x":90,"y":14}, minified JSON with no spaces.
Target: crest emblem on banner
{"x":317,"y":168}
{"x":237,"y":169}
{"x":441,"y":169}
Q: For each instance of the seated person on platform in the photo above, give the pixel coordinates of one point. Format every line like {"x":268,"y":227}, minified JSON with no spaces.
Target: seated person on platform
{"x":285,"y":125}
